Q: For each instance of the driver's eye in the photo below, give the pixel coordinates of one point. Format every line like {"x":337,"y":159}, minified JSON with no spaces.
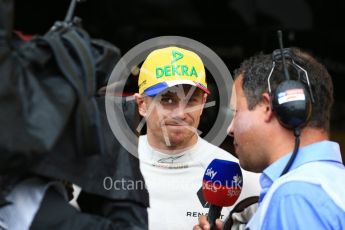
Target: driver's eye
{"x":169,"y":101}
{"x":193,"y":100}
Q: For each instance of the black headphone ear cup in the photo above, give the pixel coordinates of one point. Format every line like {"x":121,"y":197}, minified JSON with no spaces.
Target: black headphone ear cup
{"x":291,"y":104}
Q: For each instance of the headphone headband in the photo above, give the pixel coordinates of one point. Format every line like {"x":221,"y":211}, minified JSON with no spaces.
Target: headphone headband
{"x":277,"y":56}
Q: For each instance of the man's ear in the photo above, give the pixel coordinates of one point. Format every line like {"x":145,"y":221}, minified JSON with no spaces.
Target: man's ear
{"x":141,"y":104}
{"x":267,"y":106}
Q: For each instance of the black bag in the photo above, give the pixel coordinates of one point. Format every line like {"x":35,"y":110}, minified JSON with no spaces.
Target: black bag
{"x":50,"y":121}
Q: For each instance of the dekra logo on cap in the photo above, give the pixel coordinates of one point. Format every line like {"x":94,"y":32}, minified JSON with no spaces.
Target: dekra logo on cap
{"x":173,"y":70}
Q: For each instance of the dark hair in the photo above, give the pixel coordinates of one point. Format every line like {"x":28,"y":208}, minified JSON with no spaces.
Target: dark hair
{"x":255,"y":71}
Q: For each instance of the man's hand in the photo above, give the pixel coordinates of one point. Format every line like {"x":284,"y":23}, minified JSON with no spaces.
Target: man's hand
{"x":205,"y":225}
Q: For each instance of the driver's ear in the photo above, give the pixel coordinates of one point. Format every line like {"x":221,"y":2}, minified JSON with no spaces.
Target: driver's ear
{"x":204,"y":99}
{"x":141,"y":104}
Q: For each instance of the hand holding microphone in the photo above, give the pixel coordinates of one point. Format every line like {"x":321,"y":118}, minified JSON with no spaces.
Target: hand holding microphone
{"x":222,"y":185}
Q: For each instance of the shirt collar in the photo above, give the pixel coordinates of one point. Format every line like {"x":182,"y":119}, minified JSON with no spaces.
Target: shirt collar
{"x":158,"y":156}
{"x":319,"y":151}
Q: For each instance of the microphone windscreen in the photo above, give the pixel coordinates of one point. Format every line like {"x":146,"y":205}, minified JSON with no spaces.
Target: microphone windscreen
{"x":222,"y":183}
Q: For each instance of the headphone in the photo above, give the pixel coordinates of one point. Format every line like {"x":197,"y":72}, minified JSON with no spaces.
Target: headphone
{"x":290,"y":101}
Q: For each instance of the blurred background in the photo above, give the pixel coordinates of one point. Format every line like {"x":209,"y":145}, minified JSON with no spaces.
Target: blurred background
{"x":234,"y":29}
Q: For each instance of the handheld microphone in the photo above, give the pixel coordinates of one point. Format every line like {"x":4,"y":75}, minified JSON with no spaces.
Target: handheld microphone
{"x":221,"y":186}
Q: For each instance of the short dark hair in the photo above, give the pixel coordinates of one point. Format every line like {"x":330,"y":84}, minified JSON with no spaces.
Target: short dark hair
{"x":255,"y":71}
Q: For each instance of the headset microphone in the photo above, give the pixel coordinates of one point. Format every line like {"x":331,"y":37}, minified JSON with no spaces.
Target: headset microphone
{"x":291,"y":101}
{"x":221,"y":186}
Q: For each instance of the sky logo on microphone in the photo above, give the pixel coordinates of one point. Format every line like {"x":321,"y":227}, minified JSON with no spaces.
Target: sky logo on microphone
{"x":222,"y":182}
{"x":210,"y":173}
